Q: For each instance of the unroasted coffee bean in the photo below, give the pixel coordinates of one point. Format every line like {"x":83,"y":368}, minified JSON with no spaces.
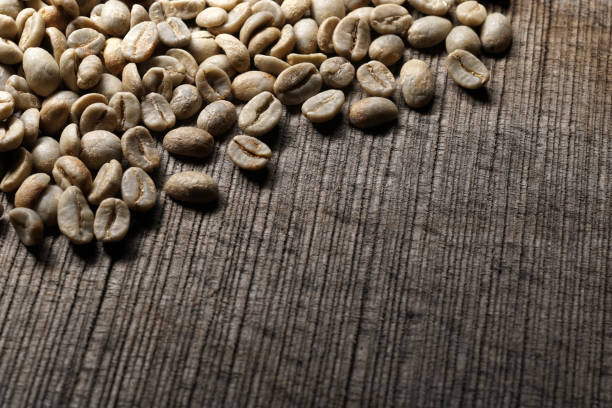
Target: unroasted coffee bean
{"x":467,"y":70}
{"x":224,"y":4}
{"x":157,"y":114}
{"x":69,"y":8}
{"x":69,"y":66}
{"x":108,"y":85}
{"x":428,"y":31}
{"x":74,"y":217}
{"x":387,"y":49}
{"x":235,"y":19}
{"x":33,"y":32}
{"x":81,"y":22}
{"x":390,"y":19}
{"x":41,"y":71}
{"x":8,"y":27}
{"x":220,"y":61}
{"x":337,"y":72}
{"x":471,"y":13}
{"x":7,"y":105}
{"x":315,"y":59}
{"x":139,"y":149}
{"x":46,"y":206}
{"x":45,"y":152}
{"x":10,"y":8}
{"x":187,"y":60}
{"x":295,"y":9}
{"x":90,"y":71}
{"x":70,"y":171}
{"x":138,"y":189}
{"x":140,"y":42}
{"x":11,"y":134}
{"x":189,"y":141}
{"x":192,"y":187}
{"x":432,"y":7}
{"x":260,"y":115}
{"x":183,"y":9}
{"x":323,"y":106}
{"x":112,"y":220}
{"x":55,"y":111}
{"x":70,"y":141}
{"x":31,"y":123}
{"x":30,"y":190}
{"x":127,"y":108}
{"x":217,"y":118}
{"x":114,"y":60}
{"x":263,"y":40}
{"x":186,"y":101}
{"x":173,"y":32}
{"x":98,"y":116}
{"x":28,"y":225}
{"x":138,"y":14}
{"x":173,"y":67}
{"x":323,"y":9}
{"x":297,"y":83}
{"x":495,"y":33}
{"x":19,"y":89}
{"x":19,"y":167}
{"x":157,"y":80}
{"x":417,"y":82}
{"x":351,"y":38}
{"x":79,"y":106}
{"x":86,"y":41}
{"x":114,"y":18}
{"x":269,"y":64}
{"x":99,"y":147}
{"x":372,"y":111}
{"x":285,"y":43}
{"x":463,"y":38}
{"x":213,"y":83}
{"x":326,"y":33}
{"x":306,"y":36}
{"x":249,"y":153}
{"x":202,"y":45}
{"x":376,"y":79}
{"x":107,"y":182}
{"x":57,"y":42}
{"x":131,"y":80}
{"x":245,"y":86}
{"x":236,"y":51}
{"x":10,"y":53}
{"x":254,"y":23}
{"x":211,"y":17}
{"x":271,"y":7}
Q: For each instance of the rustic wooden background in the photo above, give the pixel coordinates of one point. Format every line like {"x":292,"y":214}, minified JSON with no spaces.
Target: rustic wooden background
{"x":459,"y":258}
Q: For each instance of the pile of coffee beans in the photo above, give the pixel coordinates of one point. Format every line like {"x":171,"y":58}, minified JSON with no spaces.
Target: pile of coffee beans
{"x":87,"y":87}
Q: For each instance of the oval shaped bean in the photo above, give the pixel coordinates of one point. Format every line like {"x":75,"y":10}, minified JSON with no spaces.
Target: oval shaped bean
{"x":28,"y":225}
{"x":372,"y":111}
{"x":112,"y":220}
{"x":376,"y":79}
{"x":323,"y":106}
{"x":74,"y":217}
{"x":70,"y":171}
{"x":297,"y":83}
{"x":139,"y":149}
{"x":464,"y":38}
{"x":417,"y":83}
{"x":495,"y":33}
{"x":249,"y":153}
{"x":217,"y":118}
{"x":260,"y":115}
{"x":107,"y":182}
{"x":138,"y":190}
{"x":41,"y":71}
{"x":248,"y":84}
{"x":467,"y":70}
{"x":192,"y":187}
{"x":189,"y":141}
{"x":428,"y":31}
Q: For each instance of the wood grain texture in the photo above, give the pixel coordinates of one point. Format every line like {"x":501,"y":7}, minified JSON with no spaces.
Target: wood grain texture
{"x":459,"y":258}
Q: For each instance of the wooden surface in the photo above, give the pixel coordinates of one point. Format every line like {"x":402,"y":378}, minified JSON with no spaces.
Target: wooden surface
{"x":459,"y":258}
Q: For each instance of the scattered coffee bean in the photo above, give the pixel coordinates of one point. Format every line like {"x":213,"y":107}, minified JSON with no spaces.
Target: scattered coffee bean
{"x":387,"y":49}
{"x":139,"y":149}
{"x":326,"y":33}
{"x":260,"y":115}
{"x":390,"y":19}
{"x":192,"y":187}
{"x":372,"y":111}
{"x":140,"y":42}
{"x":138,"y":190}
{"x":285,"y":43}
{"x":248,"y":153}
{"x":70,"y":171}
{"x":315,"y":59}
{"x":99,"y":147}
{"x":74,"y":217}
{"x":46,"y":206}
{"x":495,"y":34}
{"x":471,"y":13}
{"x":213,"y":83}
{"x":19,"y":167}
{"x":417,"y":82}
{"x":189,"y":141}
{"x":11,"y":134}
{"x":351,"y":38}
{"x":323,"y":106}
{"x":306,"y":36}
{"x":428,"y":31}
{"x":269,"y":64}
{"x":7,"y":105}
{"x":30,"y":190}
{"x":157,"y":114}
{"x":112,"y":220}
{"x":432,"y":7}
{"x":45,"y":151}
{"x":376,"y":79}
{"x":173,"y":32}
{"x":90,"y":72}
{"x":467,"y":70}
{"x":251,"y":83}
{"x":41,"y":71}
{"x":98,"y":116}
{"x":127,"y":108}
{"x":107,"y":182}
{"x":297,"y":83}
{"x":236,"y":51}
{"x":28,"y":225}
{"x":337,"y":72}
{"x":463,"y":38}
{"x":31,"y":124}
{"x":217,"y":118}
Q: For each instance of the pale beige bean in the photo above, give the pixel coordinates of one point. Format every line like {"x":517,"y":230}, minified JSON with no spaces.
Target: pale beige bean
{"x":131,"y":80}
{"x":28,"y":225}
{"x":464,"y":38}
{"x":19,"y":89}
{"x":108,"y":85}
{"x":139,"y":149}
{"x":45,"y":152}
{"x":74,"y":217}
{"x":337,"y":72}
{"x":189,"y":141}
{"x":57,"y":42}
{"x":387,"y":49}
{"x":112,"y":220}
{"x":81,"y":22}
{"x":10,"y":53}
{"x":140,"y":42}
{"x":11,"y":134}
{"x":323,"y":106}
{"x":285,"y":43}
{"x":354,"y":5}
{"x":31,"y":123}
{"x":31,"y":189}
{"x":323,"y":9}
{"x":217,"y":118}
{"x":183,"y":9}
{"x":417,"y":82}
{"x":295,"y":9}
{"x":188,"y":62}
{"x":157,"y":114}
{"x":138,"y":14}
{"x":173,"y":32}
{"x":192,"y":187}
{"x":79,"y":106}
{"x":55,"y":111}
{"x":107,"y":182}
{"x":202,"y":45}
{"x":260,"y":115}
{"x":70,"y":171}
{"x":246,"y":85}
{"x":269,"y":64}
{"x":471,"y":13}
{"x":157,"y":80}
{"x":249,"y":153}
{"x":89,"y":72}
{"x":7,"y":105}
{"x":69,"y":66}
{"x":8,"y":27}
{"x":373,"y":111}
{"x":138,"y":190}
{"x":211,"y":17}
{"x":257,"y":21}
{"x":99,"y":147}
{"x":186,"y":101}
{"x":263,"y":40}
{"x":19,"y":167}
{"x":496,"y":33}
{"x":213,"y":83}
{"x":376,"y":79}
{"x":68,"y":7}
{"x":22,"y":17}
{"x":351,"y":38}
{"x":428,"y":31}
{"x":220,"y":61}
{"x":86,"y":41}
{"x":325,"y":34}
{"x":362,"y":13}
{"x":390,"y":19}
{"x":315,"y":59}
{"x":46,"y":206}
{"x":173,"y":66}
{"x":432,"y":7}
{"x":467,"y":70}
{"x":235,"y":19}
{"x":306,"y":36}
{"x":297,"y":83}
{"x":70,"y":141}
{"x":236,"y":51}
{"x":33,"y":32}
{"x":114,"y":18}
{"x":224,"y":4}
{"x":41,"y":71}
{"x":127,"y":108}
{"x":53,"y":17}
{"x":114,"y":61}
{"x":98,"y":116}
{"x":273,"y":8}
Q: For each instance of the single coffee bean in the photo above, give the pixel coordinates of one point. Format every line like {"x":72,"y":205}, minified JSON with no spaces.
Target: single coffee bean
{"x":108,"y":85}
{"x":432,"y":7}
{"x":260,"y":115}
{"x":158,"y":80}
{"x":98,"y":116}
{"x":173,"y":32}
{"x":351,"y":38}
{"x":376,"y":79}
{"x":19,"y":167}
{"x":211,"y":17}
{"x":471,"y":13}
{"x":99,"y":147}
{"x":269,"y":64}
{"x":337,"y":72}
{"x":28,"y":225}
{"x":10,"y":53}
{"x":55,"y":111}
{"x":138,"y":190}
{"x":140,"y":42}
{"x":33,"y":32}
{"x":114,"y":60}
{"x":114,"y":18}
{"x":387,"y":49}
{"x":78,"y":107}
{"x":257,"y":21}
{"x":107,"y":182}
{"x":285,"y":43}
{"x":46,"y":206}
{"x":19,"y":89}
{"x":326,"y":33}
{"x":53,"y":17}
{"x":69,"y":66}
{"x":248,"y":153}
{"x":131,"y":80}
{"x":187,"y":60}
{"x":189,"y":141}
{"x":246,"y":85}
{"x":315,"y":59}
{"x":428,"y":31}
{"x":139,"y":149}
{"x":57,"y":42}
{"x":70,"y":141}
{"x":306,"y":36}
{"x":86,"y":41}
{"x":464,"y":38}
{"x":271,"y":7}
{"x":10,"y":8}
{"x":235,"y":19}
{"x":418,"y":84}
{"x":157,"y":114}
{"x":390,"y":19}
{"x":138,"y":14}
{"x":297,"y":83}
{"x":372,"y":111}
{"x":90,"y":71}
{"x":186,"y":101}
{"x":30,"y":190}
{"x":127,"y":108}
{"x":70,"y":171}
{"x":213,"y":83}
{"x":226,"y":5}
{"x":323,"y":9}
{"x":262,"y":40}
{"x":174,"y":68}
{"x":192,"y":187}
{"x":183,"y":9}
{"x":202,"y":45}
{"x":220,"y":61}
{"x":45,"y":152}
{"x":11,"y":134}
{"x":8,"y":27}
{"x":217,"y":118}
{"x":495,"y":34}
{"x":112,"y":220}
{"x":41,"y":71}
{"x":323,"y":106}
{"x":236,"y":51}
{"x":467,"y":70}
{"x":74,"y":217}
{"x":31,"y":123}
